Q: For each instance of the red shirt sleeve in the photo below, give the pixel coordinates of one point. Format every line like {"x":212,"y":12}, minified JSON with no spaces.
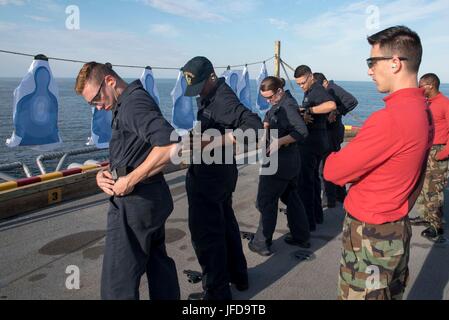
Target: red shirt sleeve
{"x":444,"y":154}
{"x":375,"y":143}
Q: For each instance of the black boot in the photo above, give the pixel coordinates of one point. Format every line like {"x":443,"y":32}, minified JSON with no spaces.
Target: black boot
{"x":263,"y":251}
{"x":197,"y":296}
{"x":434,"y":235}
{"x":241,"y":286}
{"x":303,"y":244}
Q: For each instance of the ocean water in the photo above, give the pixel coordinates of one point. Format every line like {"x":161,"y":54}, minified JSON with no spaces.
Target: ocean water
{"x":75,"y":116}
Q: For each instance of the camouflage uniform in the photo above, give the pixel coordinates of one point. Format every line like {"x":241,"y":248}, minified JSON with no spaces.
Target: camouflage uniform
{"x":374,"y":263}
{"x":432,"y":194}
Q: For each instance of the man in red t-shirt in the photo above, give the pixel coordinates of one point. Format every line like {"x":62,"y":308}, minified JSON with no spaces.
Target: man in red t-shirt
{"x":432,"y":195}
{"x":385,"y":166}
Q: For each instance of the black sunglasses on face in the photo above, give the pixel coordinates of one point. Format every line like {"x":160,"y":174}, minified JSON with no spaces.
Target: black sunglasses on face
{"x":271,"y":97}
{"x":303,"y":82}
{"x":371,"y":62}
{"x":95,"y":100}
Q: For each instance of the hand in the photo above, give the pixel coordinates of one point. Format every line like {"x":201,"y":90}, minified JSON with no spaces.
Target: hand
{"x":178,"y":149}
{"x":332,"y":117}
{"x":105,"y":182}
{"x":229,"y":138}
{"x":273,"y":148}
{"x":308,"y":118}
{"x":262,"y":141}
{"x":123,"y":187}
{"x":266,"y":125}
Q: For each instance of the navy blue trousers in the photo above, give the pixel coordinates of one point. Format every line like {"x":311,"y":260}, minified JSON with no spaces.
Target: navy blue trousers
{"x":135,"y":245}
{"x":332,"y":191}
{"x":271,"y":189}
{"x":215,"y":233}
{"x":310,"y":186}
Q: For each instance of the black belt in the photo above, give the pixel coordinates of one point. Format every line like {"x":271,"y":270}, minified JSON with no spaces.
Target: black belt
{"x":123,"y":171}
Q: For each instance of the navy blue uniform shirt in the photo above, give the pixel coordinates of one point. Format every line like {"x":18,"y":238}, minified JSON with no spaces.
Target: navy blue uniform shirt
{"x":345,"y":101}
{"x":222,"y":110}
{"x":317,"y":138}
{"x":313,"y":97}
{"x":137,"y":127}
{"x":285,"y":117}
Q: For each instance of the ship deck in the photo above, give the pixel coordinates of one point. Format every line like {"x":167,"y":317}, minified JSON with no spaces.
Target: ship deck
{"x":37,"y":248}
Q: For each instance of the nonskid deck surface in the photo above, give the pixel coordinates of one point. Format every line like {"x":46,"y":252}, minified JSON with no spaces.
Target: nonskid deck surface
{"x":38,"y":249}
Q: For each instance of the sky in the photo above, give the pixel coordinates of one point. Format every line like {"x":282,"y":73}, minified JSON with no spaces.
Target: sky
{"x":329,"y":36}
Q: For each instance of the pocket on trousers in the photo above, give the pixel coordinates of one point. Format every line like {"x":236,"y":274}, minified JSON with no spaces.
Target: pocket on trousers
{"x":149,"y":205}
{"x":386,"y":240}
{"x":112,"y":203}
{"x":352,"y":236}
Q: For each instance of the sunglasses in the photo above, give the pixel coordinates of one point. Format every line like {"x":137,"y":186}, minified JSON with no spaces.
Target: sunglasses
{"x":96,"y":100}
{"x":272,"y":96}
{"x":371,"y":62}
{"x":303,"y":82}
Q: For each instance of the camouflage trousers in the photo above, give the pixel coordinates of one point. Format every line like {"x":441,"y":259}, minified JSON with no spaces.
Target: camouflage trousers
{"x":432,"y":194}
{"x":374,"y":263}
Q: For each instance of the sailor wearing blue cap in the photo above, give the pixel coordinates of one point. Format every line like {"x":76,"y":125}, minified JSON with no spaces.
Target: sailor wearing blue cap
{"x":213,"y":226}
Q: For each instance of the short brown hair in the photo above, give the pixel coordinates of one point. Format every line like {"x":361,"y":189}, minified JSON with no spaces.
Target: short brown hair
{"x":93,"y":71}
{"x":402,"y":41}
{"x":272,"y":84}
{"x":301,"y":71}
